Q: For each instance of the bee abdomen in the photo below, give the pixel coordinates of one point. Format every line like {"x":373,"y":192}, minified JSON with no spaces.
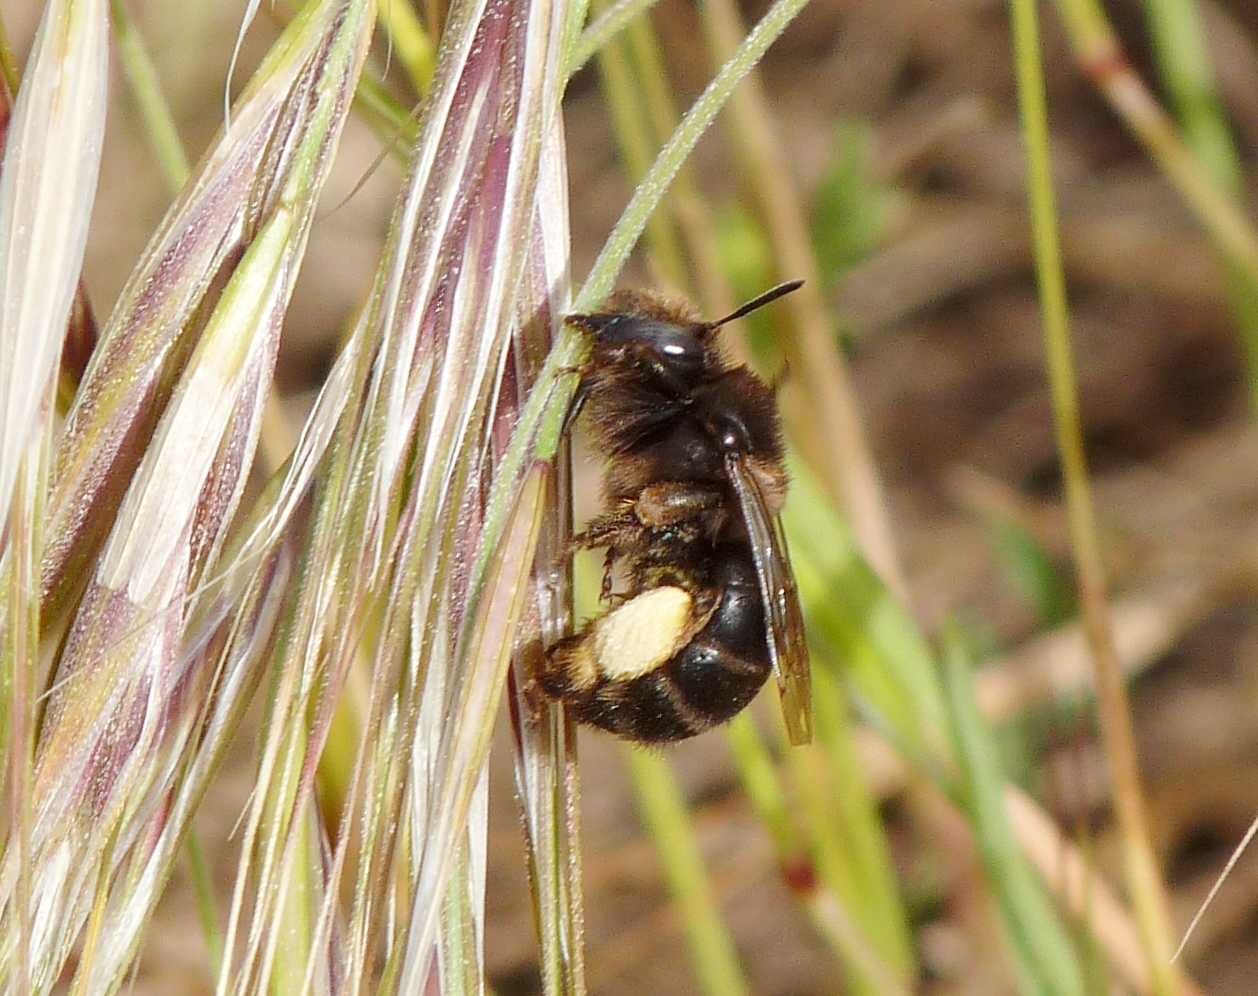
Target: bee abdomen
{"x":722,"y":668}
{"x":704,"y":682}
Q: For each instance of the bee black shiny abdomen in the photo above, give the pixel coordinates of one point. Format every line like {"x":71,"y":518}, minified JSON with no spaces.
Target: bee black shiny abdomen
{"x":712,"y":672}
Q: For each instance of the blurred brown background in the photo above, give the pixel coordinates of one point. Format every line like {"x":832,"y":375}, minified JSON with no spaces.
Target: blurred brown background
{"x":942,"y":327}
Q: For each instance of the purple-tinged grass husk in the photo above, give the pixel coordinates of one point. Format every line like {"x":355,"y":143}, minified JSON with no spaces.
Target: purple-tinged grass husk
{"x":51,"y":161}
{"x":547,"y":784}
{"x":124,"y":707}
{"x":165,"y":303}
{"x":395,"y":521}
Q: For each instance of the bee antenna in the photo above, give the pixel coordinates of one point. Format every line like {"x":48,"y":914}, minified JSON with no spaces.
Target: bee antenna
{"x":756,"y":303}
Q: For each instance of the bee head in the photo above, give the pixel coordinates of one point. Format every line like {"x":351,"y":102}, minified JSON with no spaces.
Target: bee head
{"x":639,"y":332}
{"x":675,"y":346}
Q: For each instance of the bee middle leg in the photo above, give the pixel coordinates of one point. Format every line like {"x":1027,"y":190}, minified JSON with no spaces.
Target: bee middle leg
{"x":671,"y":502}
{"x":615,"y":530}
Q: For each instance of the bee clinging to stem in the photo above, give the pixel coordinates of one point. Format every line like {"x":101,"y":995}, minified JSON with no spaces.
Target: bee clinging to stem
{"x":693,"y":484}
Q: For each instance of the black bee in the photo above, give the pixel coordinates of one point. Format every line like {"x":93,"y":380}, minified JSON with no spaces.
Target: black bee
{"x":694,"y":483}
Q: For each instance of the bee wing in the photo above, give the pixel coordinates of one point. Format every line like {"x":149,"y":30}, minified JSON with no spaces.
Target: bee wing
{"x":788,"y":647}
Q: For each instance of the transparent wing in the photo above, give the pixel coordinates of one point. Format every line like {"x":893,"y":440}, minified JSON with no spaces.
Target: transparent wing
{"x":788,"y":647}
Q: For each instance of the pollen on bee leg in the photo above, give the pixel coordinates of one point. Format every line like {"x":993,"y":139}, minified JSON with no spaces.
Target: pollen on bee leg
{"x":643,"y":633}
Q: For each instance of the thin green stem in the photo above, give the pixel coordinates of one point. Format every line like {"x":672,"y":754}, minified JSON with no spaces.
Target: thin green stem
{"x":602,"y":277}
{"x":664,"y":811}
{"x":159,"y":123}
{"x":8,"y":61}
{"x":835,"y":899}
{"x":763,"y":784}
{"x":1143,"y":877}
{"x":207,"y":906}
{"x":855,"y":831}
{"x":605,"y":27}
{"x":578,"y":10}
{"x":1183,"y":59}
{"x":411,"y":42}
{"x":388,"y":118}
{"x":1048,"y":960}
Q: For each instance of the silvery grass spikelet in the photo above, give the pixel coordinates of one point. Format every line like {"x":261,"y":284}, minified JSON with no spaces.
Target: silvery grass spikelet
{"x":162,"y":431}
{"x":46,"y":198}
{"x":396,"y":522}
{"x":544,"y":738}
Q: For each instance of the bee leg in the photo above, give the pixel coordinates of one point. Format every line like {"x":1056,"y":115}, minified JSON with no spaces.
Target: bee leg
{"x":605,"y":530}
{"x":671,"y":502}
{"x":609,"y":562}
{"x":579,"y":398}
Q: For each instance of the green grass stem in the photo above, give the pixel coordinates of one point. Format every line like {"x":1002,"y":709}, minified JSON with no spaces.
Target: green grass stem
{"x":1048,"y":961}
{"x":613,"y":19}
{"x":666,"y":817}
{"x":578,"y":11}
{"x":207,"y":904}
{"x":411,"y":42}
{"x":763,"y":785}
{"x":1142,"y":875}
{"x":855,"y":829}
{"x":159,"y":123}
{"x":1183,"y":60}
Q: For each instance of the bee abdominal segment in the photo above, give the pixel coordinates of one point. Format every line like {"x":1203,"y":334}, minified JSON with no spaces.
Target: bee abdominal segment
{"x":616,"y":676}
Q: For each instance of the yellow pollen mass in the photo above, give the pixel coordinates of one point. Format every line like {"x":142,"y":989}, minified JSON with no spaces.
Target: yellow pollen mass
{"x":643,"y":633}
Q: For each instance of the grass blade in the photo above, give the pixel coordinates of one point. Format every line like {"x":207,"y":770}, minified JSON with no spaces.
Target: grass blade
{"x":1049,"y":962}
{"x":45,"y":203}
{"x":664,"y":812}
{"x":1143,"y":877}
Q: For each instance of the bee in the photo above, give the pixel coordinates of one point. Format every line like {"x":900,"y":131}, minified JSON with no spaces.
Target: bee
{"x":693,"y":484}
